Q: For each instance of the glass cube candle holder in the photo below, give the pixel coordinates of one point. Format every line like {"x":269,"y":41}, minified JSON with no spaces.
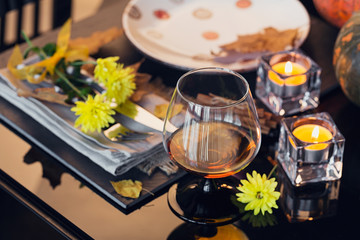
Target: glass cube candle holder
{"x":288,"y":82}
{"x":308,"y":202}
{"x":310,"y":149}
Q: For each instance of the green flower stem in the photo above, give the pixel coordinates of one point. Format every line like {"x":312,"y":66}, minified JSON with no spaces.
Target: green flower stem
{"x":27,"y":40}
{"x":63,"y":77}
{"x":80,"y":80}
{"x":80,"y":63}
{"x":272,"y":171}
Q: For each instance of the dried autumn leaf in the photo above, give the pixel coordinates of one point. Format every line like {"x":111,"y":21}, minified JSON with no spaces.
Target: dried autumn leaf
{"x":269,"y":39}
{"x":138,"y":94}
{"x":50,"y":95}
{"x":161,"y":109}
{"x":142,"y":84}
{"x":128,"y":188}
{"x":96,"y":39}
{"x":24,"y":90}
{"x":115,"y":131}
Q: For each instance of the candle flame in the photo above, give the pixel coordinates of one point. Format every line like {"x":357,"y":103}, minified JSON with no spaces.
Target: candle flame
{"x":288,"y":67}
{"x":315,"y":132}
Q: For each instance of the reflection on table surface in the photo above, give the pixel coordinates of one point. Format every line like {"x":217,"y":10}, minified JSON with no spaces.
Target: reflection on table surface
{"x":76,"y":202}
{"x":51,"y":182}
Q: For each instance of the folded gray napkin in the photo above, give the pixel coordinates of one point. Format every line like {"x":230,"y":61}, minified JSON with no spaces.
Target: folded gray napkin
{"x":115,"y":158}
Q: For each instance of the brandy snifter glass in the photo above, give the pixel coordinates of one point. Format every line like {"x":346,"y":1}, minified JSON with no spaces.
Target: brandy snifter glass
{"x":212,"y":131}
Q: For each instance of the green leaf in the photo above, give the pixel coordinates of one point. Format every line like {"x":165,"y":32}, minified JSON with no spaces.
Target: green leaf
{"x":49,"y":49}
{"x":86,"y":90}
{"x":76,"y":73}
{"x":61,"y":83}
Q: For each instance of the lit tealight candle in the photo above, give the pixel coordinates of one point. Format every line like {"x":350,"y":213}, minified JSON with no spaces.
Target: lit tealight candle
{"x":310,"y":148}
{"x":294,"y":78}
{"x":289,"y":69}
{"x":314,"y":136}
{"x":312,"y":133}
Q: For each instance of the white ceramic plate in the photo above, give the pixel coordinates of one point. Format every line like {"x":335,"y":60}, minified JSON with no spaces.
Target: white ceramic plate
{"x":186,"y":33}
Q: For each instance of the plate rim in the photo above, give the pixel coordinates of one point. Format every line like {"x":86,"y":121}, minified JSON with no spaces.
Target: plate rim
{"x":240,"y":67}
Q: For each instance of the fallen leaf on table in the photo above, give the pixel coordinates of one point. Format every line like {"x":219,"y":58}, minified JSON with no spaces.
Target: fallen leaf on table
{"x":115,"y":131}
{"x":138,"y":94}
{"x":270,"y":39}
{"x":128,"y":188}
{"x":142,"y":86}
{"x":161,"y":109}
{"x":97,"y":39}
{"x":50,"y":95}
{"x":23,"y":90}
{"x":45,"y":94}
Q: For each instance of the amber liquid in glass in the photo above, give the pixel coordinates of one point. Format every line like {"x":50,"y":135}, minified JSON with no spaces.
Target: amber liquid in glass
{"x":212,"y":150}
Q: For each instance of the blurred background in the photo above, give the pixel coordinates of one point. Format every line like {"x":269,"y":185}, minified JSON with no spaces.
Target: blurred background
{"x":38,"y":16}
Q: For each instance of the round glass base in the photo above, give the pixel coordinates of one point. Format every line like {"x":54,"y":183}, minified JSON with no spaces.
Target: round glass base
{"x":205,"y":201}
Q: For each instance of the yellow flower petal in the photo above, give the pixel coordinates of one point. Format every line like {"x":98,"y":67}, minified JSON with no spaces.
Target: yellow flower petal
{"x":94,"y":114}
{"x":120,"y":85}
{"x":50,"y":63}
{"x":79,"y":53}
{"x":15,"y":59}
{"x":35,"y":73}
{"x":105,"y":68}
{"x":34,"y":78}
{"x":64,"y":36}
{"x":259,"y":193}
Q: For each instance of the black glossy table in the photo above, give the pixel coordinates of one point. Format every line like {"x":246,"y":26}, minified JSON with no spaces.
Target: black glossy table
{"x":42,"y":198}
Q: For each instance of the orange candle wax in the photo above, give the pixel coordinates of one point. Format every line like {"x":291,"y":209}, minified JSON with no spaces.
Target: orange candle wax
{"x":291,"y":69}
{"x":312,"y":133}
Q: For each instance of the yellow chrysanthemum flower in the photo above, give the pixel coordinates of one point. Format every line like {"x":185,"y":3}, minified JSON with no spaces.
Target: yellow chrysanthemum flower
{"x":94,"y":114}
{"x":120,"y":85}
{"x":259,"y":193}
{"x":118,"y":81}
{"x":105,"y":68}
